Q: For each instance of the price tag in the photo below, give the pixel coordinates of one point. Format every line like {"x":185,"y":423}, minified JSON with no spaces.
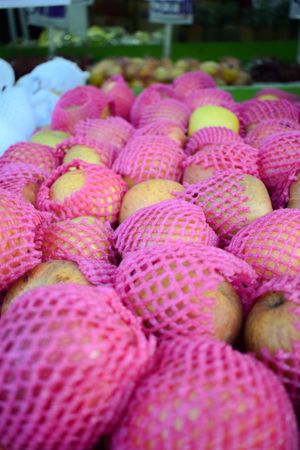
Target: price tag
{"x":177,"y":12}
{"x":31,"y":3}
{"x":295,"y":9}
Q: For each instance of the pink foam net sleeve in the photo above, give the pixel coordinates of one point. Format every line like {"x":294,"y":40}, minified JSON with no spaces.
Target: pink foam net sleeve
{"x":166,"y":109}
{"x":281,"y":193}
{"x":147,"y":157}
{"x":266,"y":128}
{"x":101,"y":195}
{"x":278,"y":93}
{"x":14,"y":177}
{"x":189,"y":82}
{"x":173,"y":288}
{"x":70,"y":358}
{"x":223,"y":200}
{"x":218,"y":157}
{"x":97,"y":272}
{"x":162,"y":128}
{"x":277,"y":157}
{"x":38,"y":155}
{"x":150,"y":95}
{"x":105,"y":150}
{"x":84,"y":238}
{"x":19,"y":252}
{"x":166,"y":222}
{"x":120,"y":94}
{"x":78,"y":104}
{"x":114,"y":130}
{"x":209,"y":136}
{"x":270,"y":244}
{"x":205,"y":395}
{"x":209,"y":96}
{"x":254,"y":111}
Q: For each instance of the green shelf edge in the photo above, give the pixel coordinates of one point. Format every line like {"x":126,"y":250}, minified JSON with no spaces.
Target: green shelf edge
{"x":285,"y":50}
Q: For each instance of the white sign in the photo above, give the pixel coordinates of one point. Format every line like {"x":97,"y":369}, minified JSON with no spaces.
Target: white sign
{"x":178,"y":12}
{"x":295,"y":9}
{"x":31,"y":3}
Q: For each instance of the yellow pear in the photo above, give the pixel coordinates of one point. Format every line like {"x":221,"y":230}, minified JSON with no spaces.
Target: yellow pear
{"x":67,"y":184}
{"x":212,"y":198}
{"x":47,"y":273}
{"x":213,"y":116}
{"x":225,"y":305}
{"x":272,"y":324}
{"x":49,"y":137}
{"x":194,"y":174}
{"x":147,"y":193}
{"x":84,"y":236}
{"x":259,"y":202}
{"x":83,"y":153}
{"x":268,"y":97}
{"x":29,"y":192}
{"x":176,"y":133}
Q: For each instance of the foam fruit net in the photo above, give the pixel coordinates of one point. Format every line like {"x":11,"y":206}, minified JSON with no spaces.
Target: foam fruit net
{"x":100,"y":196}
{"x":266,"y":128}
{"x":97,"y":272}
{"x":271,"y":244}
{"x":209,"y":96}
{"x":18,"y":250}
{"x":70,"y":357}
{"x":223,"y":200}
{"x":167,"y":221}
{"x":211,"y":135}
{"x":147,"y":157}
{"x":120,"y":94}
{"x":281,"y":193}
{"x":38,"y":155}
{"x":78,"y":104}
{"x":159,"y":128}
{"x":85,"y":237}
{"x":278,"y":93}
{"x":15,"y":177}
{"x":173,"y":287}
{"x":152,"y":94}
{"x":286,"y":364}
{"x":167,"y":109}
{"x":220,"y":157}
{"x":115,"y":130}
{"x":254,"y":111}
{"x":105,"y":151}
{"x":277,"y":157}
{"x":205,"y":395}
{"x":192,"y":81}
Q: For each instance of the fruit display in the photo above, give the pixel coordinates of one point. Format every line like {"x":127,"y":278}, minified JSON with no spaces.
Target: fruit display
{"x":101,"y":36}
{"x":141,"y":72}
{"x":149,"y":270}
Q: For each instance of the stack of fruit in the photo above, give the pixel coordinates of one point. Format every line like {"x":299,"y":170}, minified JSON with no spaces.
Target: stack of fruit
{"x":150,"y":288}
{"x":141,"y":72}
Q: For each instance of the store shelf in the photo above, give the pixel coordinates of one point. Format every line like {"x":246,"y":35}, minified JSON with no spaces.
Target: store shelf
{"x":285,"y":50}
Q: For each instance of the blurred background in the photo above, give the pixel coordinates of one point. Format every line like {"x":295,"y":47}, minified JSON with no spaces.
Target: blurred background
{"x":237,"y":42}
